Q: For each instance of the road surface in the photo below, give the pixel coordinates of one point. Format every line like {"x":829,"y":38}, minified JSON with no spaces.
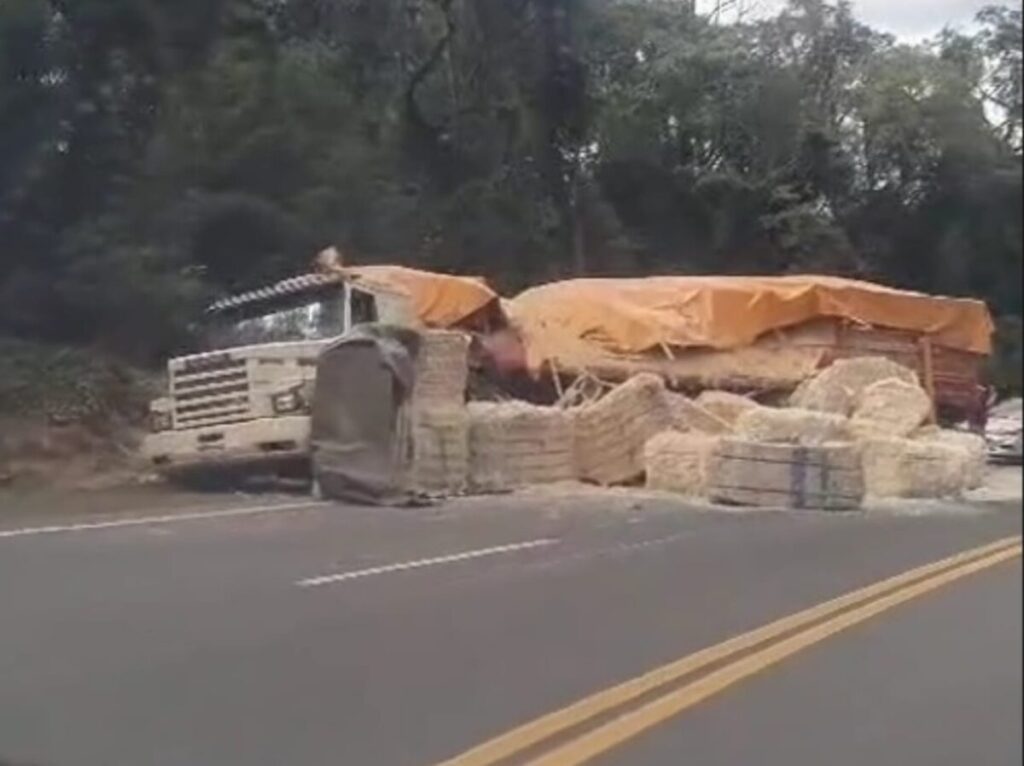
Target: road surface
{"x":274,"y":631}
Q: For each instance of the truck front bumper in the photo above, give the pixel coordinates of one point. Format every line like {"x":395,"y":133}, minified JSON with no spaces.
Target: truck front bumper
{"x":260,"y":442}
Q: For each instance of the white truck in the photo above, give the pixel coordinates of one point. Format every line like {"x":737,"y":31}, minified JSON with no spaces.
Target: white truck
{"x":243,"y":403}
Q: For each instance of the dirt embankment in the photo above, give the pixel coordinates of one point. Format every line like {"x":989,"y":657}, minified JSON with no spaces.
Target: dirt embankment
{"x":70,"y":417}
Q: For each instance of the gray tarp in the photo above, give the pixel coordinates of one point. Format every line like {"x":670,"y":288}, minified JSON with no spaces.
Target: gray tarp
{"x":360,"y":422}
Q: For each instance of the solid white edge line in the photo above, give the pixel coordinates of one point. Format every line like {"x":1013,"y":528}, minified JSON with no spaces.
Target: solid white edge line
{"x":420,"y":563}
{"x":170,"y":518}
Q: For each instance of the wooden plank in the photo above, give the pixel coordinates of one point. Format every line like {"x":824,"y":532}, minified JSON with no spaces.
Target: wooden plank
{"x":795,"y":478}
{"x":928,"y":374}
{"x":838,"y":457}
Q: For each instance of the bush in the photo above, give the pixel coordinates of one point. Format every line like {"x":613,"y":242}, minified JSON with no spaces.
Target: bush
{"x":71,"y":385}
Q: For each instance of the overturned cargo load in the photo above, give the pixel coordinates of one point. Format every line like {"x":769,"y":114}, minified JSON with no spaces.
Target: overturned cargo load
{"x":389,"y":423}
{"x":752,"y":334}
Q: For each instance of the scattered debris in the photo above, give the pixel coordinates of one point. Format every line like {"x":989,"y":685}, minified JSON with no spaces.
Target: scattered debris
{"x":726,"y":405}
{"x":586,"y":389}
{"x":687,"y":415}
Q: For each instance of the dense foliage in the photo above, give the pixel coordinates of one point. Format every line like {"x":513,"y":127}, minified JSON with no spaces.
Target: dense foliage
{"x":156,"y":152}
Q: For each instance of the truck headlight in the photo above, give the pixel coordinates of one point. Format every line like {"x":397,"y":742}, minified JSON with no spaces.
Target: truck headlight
{"x":289,"y":401}
{"x":160,"y":421}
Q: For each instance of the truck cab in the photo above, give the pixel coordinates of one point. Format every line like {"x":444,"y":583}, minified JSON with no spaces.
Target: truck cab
{"x":243,"y":402}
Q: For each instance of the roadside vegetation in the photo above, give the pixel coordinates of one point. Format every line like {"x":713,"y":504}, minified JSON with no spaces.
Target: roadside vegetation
{"x":156,"y":153}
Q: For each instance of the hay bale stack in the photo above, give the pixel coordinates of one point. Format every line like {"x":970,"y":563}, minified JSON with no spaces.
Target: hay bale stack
{"x":678,"y":462}
{"x":825,"y":477}
{"x":610,"y":433}
{"x":442,"y":368}
{"x":793,"y":426}
{"x":687,"y":415}
{"x":440,"y":449}
{"x":515,"y":444}
{"x":837,"y":388}
{"x":726,"y":405}
{"x":891,"y":407}
{"x":905,"y":468}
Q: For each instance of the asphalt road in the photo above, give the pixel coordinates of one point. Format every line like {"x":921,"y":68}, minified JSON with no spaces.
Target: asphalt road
{"x":320,"y":634}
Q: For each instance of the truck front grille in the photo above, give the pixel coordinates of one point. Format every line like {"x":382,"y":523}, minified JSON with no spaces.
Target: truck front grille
{"x":211,"y":391}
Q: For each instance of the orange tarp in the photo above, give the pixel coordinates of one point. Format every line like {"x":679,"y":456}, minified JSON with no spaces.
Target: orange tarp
{"x":634,"y":316}
{"x":439,"y":300}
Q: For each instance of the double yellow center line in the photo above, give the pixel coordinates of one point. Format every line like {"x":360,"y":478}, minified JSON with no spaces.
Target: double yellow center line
{"x":597,"y":724}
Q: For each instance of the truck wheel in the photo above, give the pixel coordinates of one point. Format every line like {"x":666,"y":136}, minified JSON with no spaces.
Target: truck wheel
{"x":206,"y":481}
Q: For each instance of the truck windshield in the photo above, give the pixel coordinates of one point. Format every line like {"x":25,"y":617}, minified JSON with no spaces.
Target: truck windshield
{"x":304,"y":316}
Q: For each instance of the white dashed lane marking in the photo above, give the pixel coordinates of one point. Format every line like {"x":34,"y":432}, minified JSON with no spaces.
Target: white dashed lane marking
{"x":142,"y":521}
{"x":422,"y":563}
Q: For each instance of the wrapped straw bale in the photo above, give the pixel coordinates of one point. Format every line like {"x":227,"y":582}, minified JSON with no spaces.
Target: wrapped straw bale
{"x":678,"y":462}
{"x":793,"y":426}
{"x":726,"y":405}
{"x":837,"y":388}
{"x":610,"y":433}
{"x":891,"y":407}
{"x":825,"y":477}
{"x":905,"y":468}
{"x":442,"y":368}
{"x":687,"y":415}
{"x":440,"y":448}
{"x":515,"y":444}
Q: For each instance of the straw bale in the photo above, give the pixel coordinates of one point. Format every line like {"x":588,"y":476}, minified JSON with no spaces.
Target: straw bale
{"x":440,"y":448}
{"x":515,"y":444}
{"x":793,"y":426}
{"x":905,"y":468}
{"x":678,"y":462}
{"x":892,"y":407}
{"x":973,"y":445}
{"x":825,"y":477}
{"x":442,"y":368}
{"x":837,"y":388}
{"x":610,"y":434}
